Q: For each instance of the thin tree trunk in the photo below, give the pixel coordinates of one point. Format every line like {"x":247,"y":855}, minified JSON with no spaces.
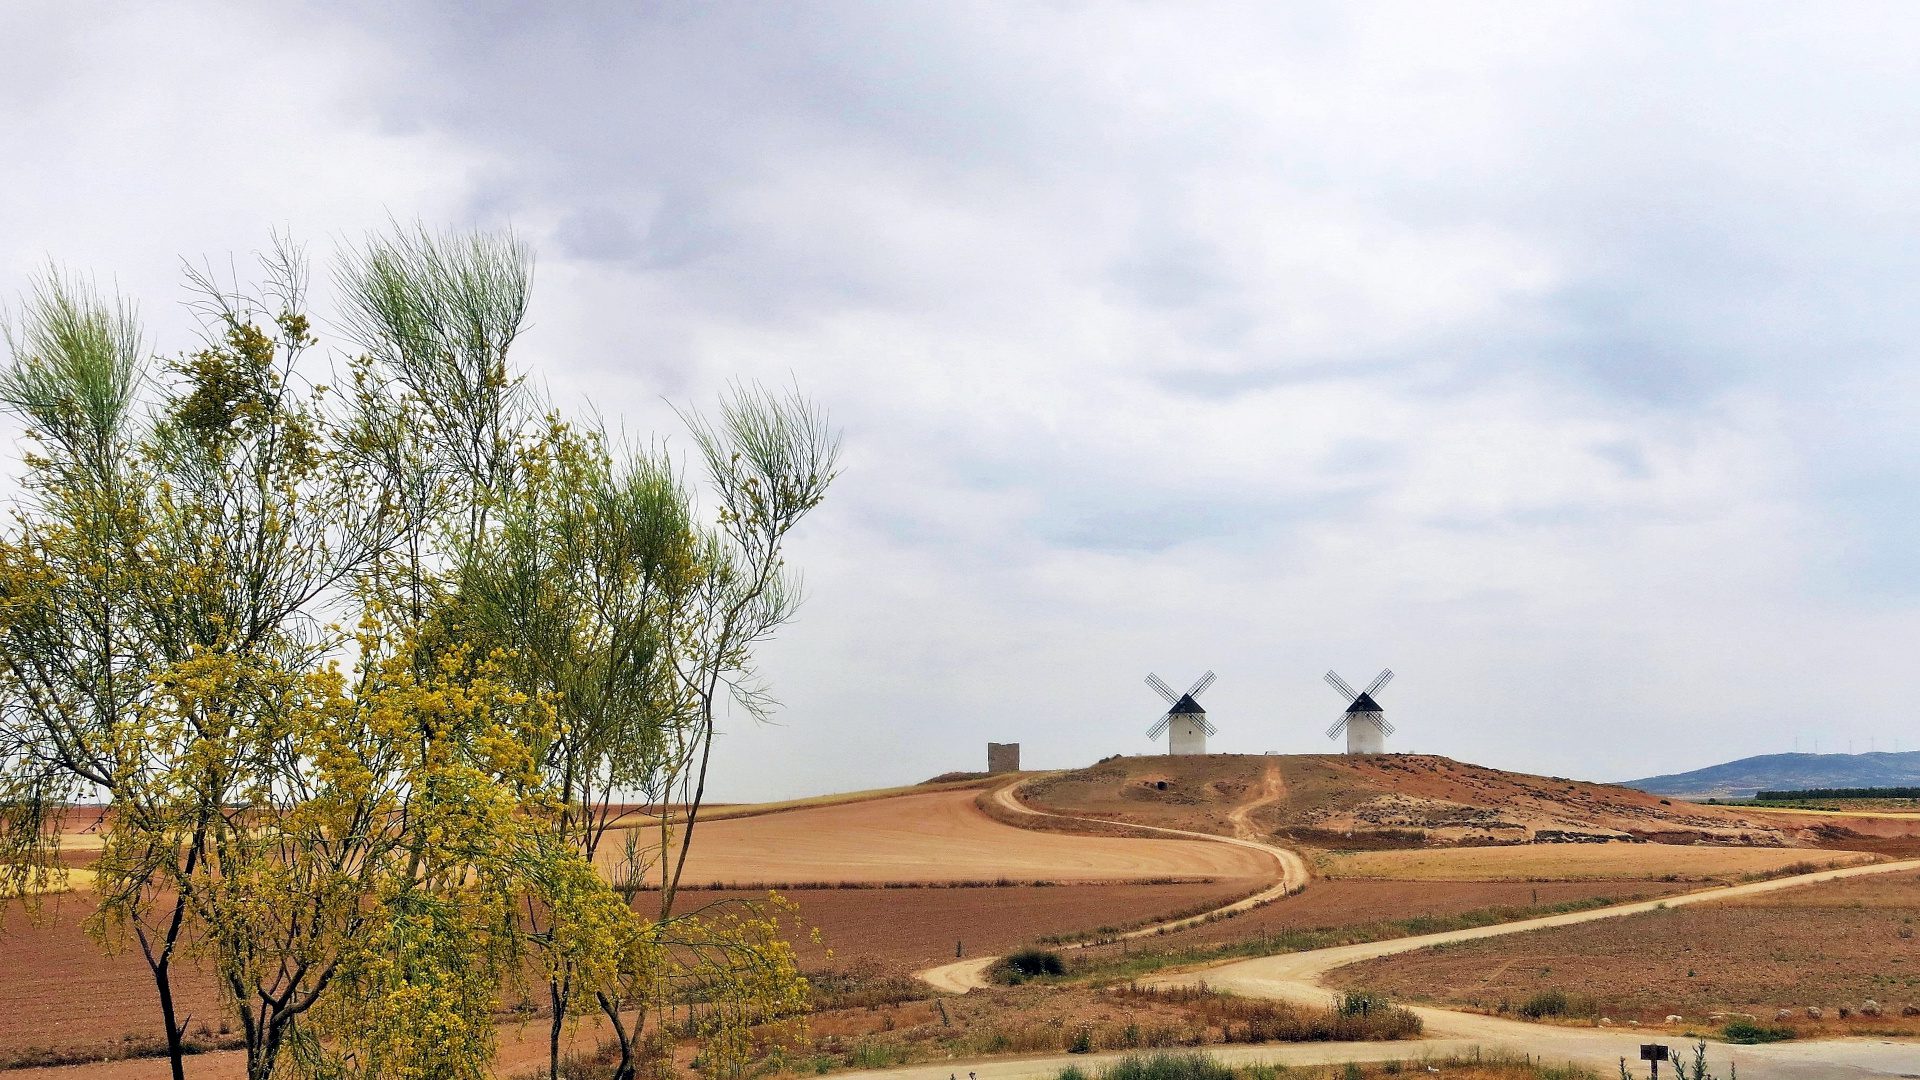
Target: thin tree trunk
{"x":559,"y":999}
{"x":176,"y":1046}
{"x":624,"y":1070}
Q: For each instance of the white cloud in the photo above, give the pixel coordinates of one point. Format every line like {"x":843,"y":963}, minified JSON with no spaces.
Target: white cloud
{"x":1556,"y":357}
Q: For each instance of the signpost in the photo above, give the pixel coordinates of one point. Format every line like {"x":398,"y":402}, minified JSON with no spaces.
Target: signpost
{"x":1655,"y":1053}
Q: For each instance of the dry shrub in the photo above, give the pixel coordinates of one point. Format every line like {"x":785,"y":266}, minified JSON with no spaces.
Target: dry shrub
{"x":1358,"y":1016}
{"x":864,"y":986}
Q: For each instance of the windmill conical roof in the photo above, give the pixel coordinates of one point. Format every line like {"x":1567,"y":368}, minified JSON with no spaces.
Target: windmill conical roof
{"x":1186,"y":704}
{"x":1364,"y":703}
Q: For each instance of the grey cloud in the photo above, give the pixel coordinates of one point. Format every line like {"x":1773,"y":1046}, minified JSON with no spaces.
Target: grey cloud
{"x":1363,"y":331}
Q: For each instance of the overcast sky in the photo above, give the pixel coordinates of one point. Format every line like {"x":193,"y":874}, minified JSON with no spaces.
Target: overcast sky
{"x":1560,"y":357}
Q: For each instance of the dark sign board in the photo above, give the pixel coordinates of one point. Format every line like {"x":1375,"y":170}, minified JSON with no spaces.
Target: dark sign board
{"x":1653,"y":1052}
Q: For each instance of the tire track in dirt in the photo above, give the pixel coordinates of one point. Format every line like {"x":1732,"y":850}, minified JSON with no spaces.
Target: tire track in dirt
{"x":1298,"y":977}
{"x":1291,"y":875}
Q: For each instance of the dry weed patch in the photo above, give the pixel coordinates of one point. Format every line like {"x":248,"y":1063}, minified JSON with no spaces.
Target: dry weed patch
{"x":1839,"y":957}
{"x":1581,"y":862}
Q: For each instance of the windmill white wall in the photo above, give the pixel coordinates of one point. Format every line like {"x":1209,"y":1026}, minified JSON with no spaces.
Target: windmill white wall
{"x":1365,"y":722}
{"x":1365,"y":734}
{"x":1185,"y":724}
{"x":1187,"y":734}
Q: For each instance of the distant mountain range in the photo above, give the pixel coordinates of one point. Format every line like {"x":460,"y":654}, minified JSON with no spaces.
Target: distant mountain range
{"x":1775,"y":772}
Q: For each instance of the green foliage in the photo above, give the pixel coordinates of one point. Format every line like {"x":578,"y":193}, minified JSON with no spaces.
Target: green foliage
{"x":1362,"y":1003}
{"x":533,"y":625}
{"x":1167,"y":1065}
{"x":1544,"y":1004}
{"x":1019,"y":967}
{"x":1741,"y":1030}
{"x":1839,"y":793}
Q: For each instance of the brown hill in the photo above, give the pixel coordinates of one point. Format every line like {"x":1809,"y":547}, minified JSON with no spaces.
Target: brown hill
{"x":1390,"y":800}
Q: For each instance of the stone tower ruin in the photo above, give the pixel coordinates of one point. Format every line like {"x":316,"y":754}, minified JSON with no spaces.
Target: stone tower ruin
{"x":1003,"y":757}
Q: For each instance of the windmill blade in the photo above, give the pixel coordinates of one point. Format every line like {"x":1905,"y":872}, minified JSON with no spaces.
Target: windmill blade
{"x":1200,"y":684}
{"x":1340,"y":684}
{"x":1386,"y":727}
{"x":1338,"y":726}
{"x":1206,"y":725}
{"x":1154,"y":731}
{"x":1165,"y":690}
{"x":1380,"y":680}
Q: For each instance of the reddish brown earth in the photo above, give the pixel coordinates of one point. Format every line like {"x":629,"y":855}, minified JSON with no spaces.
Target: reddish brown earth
{"x":913,"y":928}
{"x":1331,"y":904}
{"x":60,"y":990}
{"x":938,"y":836}
{"x":1824,"y":945}
{"x":1338,"y":801}
{"x":61,"y":993}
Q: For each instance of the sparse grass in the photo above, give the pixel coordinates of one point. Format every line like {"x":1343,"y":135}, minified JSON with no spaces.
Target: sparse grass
{"x":1209,"y":909}
{"x":1165,"y":1065}
{"x":1133,"y":965}
{"x":1199,"y":1065}
{"x":1747,"y":1032}
{"x":1544,"y":1004}
{"x":1576,"y":862}
{"x":67,"y":879}
{"x":1074,"y":1019}
{"x":1356,"y":1017}
{"x":1821,"y":945}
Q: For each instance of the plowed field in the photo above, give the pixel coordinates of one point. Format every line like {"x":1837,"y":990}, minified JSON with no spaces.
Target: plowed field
{"x":60,"y":992}
{"x":1330,"y":904}
{"x":1574,"y":862}
{"x":1825,"y":945}
{"x":939,"y":836}
{"x":914,"y":928}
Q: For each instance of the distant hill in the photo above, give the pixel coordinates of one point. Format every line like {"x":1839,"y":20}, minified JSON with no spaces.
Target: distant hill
{"x":1740,"y":779}
{"x":1339,"y":802}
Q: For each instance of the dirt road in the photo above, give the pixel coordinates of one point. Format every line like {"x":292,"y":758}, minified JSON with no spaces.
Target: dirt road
{"x":1289,"y":868}
{"x":1296,"y":977}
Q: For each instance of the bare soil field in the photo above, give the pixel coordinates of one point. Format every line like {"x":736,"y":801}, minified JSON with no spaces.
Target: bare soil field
{"x":1336,"y":904}
{"x":1827,"y":945}
{"x":1387,"y":800}
{"x":1893,"y":835}
{"x":1574,"y":862}
{"x":60,"y":991}
{"x":939,"y":836}
{"x":910,"y":928}
{"x":62,"y":994}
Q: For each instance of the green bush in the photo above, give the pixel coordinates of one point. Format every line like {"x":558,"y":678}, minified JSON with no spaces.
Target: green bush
{"x":1191,"y":1065}
{"x":1362,"y":1003}
{"x":1027,"y":964}
{"x":1748,"y":1032}
{"x":1543,"y":1004}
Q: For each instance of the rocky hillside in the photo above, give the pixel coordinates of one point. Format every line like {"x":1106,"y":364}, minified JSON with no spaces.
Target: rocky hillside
{"x":1388,"y":800}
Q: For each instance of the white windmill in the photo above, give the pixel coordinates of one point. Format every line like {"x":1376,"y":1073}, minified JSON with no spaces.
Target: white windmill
{"x":1365,"y":722}
{"x":1186,"y":721}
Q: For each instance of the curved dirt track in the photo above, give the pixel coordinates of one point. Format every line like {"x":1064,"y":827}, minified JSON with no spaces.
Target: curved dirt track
{"x":1296,"y":977}
{"x":938,"y":836}
{"x":1289,"y":868}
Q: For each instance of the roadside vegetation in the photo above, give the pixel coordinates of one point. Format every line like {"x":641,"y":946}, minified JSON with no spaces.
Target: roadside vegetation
{"x":369,"y":654}
{"x":1199,"y":1065}
{"x":1827,"y":959}
{"x":1144,"y":959}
